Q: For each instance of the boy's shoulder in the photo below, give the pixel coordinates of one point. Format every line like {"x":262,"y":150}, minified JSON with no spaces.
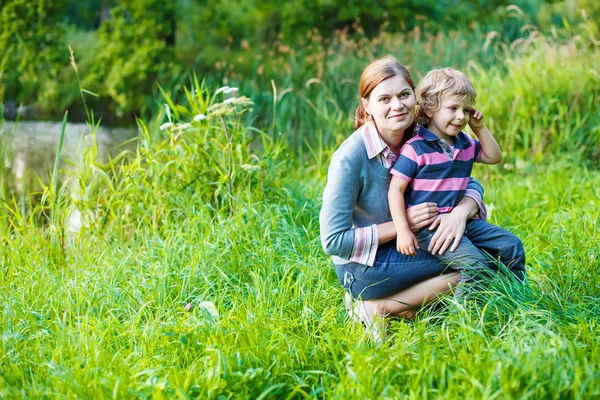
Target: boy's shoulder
{"x":418,"y":144}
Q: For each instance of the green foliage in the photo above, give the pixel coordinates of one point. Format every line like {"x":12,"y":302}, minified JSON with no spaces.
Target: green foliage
{"x":133,"y":54}
{"x":31,"y":39}
{"x":224,"y":210}
{"x":546,"y":100}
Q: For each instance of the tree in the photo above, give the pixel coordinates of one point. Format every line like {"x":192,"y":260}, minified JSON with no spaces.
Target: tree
{"x":135,"y":51}
{"x":31,"y":36}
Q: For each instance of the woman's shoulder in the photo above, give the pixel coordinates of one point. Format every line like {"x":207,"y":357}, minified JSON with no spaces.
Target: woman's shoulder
{"x":353,"y":149}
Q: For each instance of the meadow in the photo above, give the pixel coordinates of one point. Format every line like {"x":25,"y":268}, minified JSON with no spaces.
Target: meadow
{"x":220,"y":203}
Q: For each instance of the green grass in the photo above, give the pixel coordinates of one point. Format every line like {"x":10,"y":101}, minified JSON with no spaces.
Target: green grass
{"x":198,"y":215}
{"x":109,"y":321}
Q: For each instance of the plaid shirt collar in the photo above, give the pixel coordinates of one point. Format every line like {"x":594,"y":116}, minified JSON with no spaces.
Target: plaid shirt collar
{"x":375,"y":144}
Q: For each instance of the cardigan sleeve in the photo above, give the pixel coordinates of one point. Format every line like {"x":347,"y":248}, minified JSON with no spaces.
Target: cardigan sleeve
{"x":339,"y":236}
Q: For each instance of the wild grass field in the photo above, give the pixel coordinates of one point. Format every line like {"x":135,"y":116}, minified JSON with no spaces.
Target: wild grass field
{"x":223,"y":211}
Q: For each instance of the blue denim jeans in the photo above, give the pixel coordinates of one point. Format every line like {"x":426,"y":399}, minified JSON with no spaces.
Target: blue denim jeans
{"x":394,"y":272}
{"x":481,"y":238}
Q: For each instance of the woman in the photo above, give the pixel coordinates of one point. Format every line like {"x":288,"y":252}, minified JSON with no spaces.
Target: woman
{"x":356,"y":225}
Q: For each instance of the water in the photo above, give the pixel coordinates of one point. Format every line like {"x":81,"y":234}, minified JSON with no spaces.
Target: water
{"x":29,"y":148}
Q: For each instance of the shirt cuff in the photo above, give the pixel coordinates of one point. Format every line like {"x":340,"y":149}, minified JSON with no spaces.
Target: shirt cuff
{"x":475,"y":195}
{"x":366,"y":241}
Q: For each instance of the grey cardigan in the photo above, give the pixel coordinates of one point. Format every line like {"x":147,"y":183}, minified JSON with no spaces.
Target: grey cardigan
{"x":356,"y":195}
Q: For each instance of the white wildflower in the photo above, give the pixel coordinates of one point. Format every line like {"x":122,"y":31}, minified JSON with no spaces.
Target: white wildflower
{"x":250,"y":167}
{"x":230,"y":90}
{"x":229,"y":100}
{"x":199,"y":117}
{"x":222,"y":89}
{"x":210,"y":308}
{"x":166,"y":125}
{"x":183,"y":126}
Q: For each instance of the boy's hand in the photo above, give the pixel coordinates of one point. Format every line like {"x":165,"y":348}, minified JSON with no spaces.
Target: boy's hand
{"x":476,"y":120}
{"x":406,"y":243}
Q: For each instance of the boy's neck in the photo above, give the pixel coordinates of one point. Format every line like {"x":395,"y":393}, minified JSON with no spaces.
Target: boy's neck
{"x":446,"y":138}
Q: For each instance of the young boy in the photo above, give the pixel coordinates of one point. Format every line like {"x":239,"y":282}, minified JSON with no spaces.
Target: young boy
{"x":435,"y":166}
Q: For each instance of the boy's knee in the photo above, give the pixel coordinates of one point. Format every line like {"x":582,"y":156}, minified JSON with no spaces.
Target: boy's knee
{"x":516,"y":258}
{"x":513,"y":247}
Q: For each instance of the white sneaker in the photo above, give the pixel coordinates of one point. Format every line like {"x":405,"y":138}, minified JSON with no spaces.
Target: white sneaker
{"x":374,"y":327}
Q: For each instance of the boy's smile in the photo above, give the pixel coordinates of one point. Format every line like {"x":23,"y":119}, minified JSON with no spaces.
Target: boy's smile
{"x":451,"y":118}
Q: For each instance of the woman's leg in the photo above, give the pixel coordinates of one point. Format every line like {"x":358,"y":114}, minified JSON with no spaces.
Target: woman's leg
{"x":392,"y":273}
{"x":405,"y":303}
{"x":396,"y":285}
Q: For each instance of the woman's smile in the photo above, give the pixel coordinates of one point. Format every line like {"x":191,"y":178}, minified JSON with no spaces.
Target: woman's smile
{"x":400,"y":116}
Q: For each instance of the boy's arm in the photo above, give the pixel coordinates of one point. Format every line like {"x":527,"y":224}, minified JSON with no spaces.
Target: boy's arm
{"x":490,"y":151}
{"x":405,"y":241}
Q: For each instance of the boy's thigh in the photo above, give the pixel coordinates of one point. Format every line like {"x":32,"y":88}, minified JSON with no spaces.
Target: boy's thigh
{"x":490,"y":238}
{"x":499,"y":244}
{"x":466,"y":255}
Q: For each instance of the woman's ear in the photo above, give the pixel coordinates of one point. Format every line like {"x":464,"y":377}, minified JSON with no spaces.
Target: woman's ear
{"x":365,"y":104}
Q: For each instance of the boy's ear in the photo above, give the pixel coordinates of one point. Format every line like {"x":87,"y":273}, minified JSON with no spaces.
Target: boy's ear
{"x":428,"y":112}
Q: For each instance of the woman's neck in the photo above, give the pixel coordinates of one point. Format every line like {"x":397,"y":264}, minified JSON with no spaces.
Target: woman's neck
{"x":394,"y":141}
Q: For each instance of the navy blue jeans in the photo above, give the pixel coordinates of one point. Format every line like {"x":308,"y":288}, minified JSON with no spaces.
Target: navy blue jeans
{"x":481,"y":238}
{"x":394,"y":272}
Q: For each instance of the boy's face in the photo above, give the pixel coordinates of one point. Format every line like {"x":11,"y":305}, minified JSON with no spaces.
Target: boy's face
{"x":451,"y":118}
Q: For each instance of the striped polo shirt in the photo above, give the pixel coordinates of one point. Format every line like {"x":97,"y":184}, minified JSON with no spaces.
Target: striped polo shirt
{"x":435,"y":172}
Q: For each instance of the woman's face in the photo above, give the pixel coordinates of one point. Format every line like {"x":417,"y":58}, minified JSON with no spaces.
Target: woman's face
{"x":392,"y":106}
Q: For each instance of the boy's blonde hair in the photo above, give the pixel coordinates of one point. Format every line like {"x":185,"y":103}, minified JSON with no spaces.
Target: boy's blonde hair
{"x":437,"y":84}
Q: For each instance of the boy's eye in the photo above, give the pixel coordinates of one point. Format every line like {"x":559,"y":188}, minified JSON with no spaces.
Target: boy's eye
{"x":453,"y":108}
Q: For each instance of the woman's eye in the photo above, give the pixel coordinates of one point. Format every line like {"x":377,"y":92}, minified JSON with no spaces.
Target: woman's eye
{"x":384,"y":99}
{"x":404,"y":95}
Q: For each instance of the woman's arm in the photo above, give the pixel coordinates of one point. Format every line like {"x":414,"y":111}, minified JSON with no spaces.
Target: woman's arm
{"x":338,"y":235}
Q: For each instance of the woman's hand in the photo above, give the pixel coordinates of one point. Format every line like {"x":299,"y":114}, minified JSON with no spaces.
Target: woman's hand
{"x":421,"y":215}
{"x":451,"y":228}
